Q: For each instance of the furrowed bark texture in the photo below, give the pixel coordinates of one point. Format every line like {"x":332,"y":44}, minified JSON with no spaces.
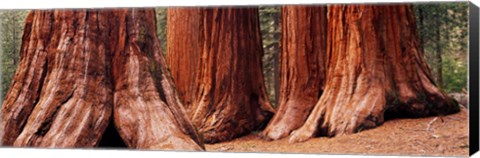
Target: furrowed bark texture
{"x":147,"y":112}
{"x":61,"y":94}
{"x":87,"y":62}
{"x":184,"y":37}
{"x":374,"y":68}
{"x":302,"y":72}
{"x":230,"y":96}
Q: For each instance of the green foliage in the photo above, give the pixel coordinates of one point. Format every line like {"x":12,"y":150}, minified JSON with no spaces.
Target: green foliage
{"x":11,"y":29}
{"x":454,"y":73}
{"x":443,"y":28}
{"x":270,"y":18}
{"x":161,"y":16}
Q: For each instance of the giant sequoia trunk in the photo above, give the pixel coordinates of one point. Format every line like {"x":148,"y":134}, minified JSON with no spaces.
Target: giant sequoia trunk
{"x":78,"y":65}
{"x":374,"y":69}
{"x":61,"y":94}
{"x":148,"y":111}
{"x":184,"y":37}
{"x":230,"y":96}
{"x":302,"y":67}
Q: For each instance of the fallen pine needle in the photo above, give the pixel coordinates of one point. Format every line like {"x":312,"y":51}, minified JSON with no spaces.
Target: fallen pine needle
{"x":429,"y":127}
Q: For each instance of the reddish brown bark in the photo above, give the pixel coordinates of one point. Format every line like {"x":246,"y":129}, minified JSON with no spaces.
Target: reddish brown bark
{"x":230,"y":97}
{"x":61,"y":95}
{"x":374,"y":69}
{"x":184,"y":37}
{"x":302,"y":72}
{"x":148,"y":112}
{"x":76,"y":65}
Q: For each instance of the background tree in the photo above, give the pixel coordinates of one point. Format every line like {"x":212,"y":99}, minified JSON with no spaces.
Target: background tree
{"x":270,"y":20}
{"x":161,"y":16}
{"x":11,"y":28}
{"x":302,"y":67}
{"x":443,"y":30}
{"x":73,"y":63}
{"x":375,"y":69}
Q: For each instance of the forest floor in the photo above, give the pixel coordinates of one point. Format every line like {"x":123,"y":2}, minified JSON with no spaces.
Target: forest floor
{"x":434,"y":136}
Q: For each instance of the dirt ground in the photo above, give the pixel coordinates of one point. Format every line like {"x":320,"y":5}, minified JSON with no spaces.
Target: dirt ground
{"x":447,"y":136}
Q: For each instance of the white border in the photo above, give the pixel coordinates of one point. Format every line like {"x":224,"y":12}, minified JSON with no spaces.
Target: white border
{"x":84,"y":153}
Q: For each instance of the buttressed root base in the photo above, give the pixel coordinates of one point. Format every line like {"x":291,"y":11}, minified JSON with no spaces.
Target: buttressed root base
{"x":374,"y":67}
{"x":229,"y":96}
{"x":302,"y":68}
{"x":77,"y":66}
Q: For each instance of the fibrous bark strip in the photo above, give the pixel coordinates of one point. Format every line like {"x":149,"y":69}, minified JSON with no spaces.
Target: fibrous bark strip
{"x":184,"y":38}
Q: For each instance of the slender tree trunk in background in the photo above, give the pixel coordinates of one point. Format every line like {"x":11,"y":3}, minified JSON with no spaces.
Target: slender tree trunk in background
{"x":184,"y":37}
{"x":231,"y":99}
{"x":14,"y":39}
{"x":375,"y":69}
{"x":421,"y":18}
{"x":73,"y":63}
{"x":276,"y":62}
{"x":302,"y":67}
{"x":438,"y":56}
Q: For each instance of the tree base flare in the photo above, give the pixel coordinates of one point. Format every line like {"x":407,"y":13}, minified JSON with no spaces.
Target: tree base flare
{"x":230,"y":97}
{"x":375,"y":68}
{"x":80,"y":66}
{"x":302,"y":68}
